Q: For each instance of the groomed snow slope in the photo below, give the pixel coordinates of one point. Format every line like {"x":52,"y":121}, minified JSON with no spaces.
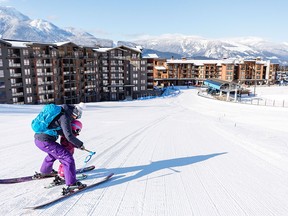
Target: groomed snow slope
{"x":183,"y":155}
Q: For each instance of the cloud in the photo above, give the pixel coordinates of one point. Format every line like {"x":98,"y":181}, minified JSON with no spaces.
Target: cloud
{"x":51,"y":17}
{"x":4,"y":1}
{"x":99,"y":32}
{"x":163,"y":36}
{"x":132,"y":36}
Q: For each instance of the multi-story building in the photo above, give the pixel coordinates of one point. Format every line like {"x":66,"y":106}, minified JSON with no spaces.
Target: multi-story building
{"x":227,"y":70}
{"x":185,"y":71}
{"x":79,"y":75}
{"x":16,"y":77}
{"x":42,"y":67}
{"x":156,"y":69}
{"x":123,"y":72}
{"x":256,"y":72}
{"x":39,"y":73}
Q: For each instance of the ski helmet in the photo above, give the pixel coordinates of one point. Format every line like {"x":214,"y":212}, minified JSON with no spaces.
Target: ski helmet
{"x":78,"y":109}
{"x":76,"y":126}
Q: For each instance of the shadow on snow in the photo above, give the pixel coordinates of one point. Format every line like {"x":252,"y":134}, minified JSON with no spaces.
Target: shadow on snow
{"x":145,"y":170}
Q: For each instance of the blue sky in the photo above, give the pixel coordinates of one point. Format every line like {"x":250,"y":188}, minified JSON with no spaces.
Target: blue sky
{"x":129,"y":19}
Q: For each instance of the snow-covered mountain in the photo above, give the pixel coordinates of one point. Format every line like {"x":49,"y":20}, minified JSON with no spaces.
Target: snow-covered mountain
{"x":15,"y":25}
{"x":191,"y":46}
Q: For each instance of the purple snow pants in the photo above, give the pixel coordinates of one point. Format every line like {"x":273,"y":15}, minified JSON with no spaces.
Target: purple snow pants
{"x":57,"y":152}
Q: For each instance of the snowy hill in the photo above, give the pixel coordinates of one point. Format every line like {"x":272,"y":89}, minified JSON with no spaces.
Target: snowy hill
{"x":15,"y":25}
{"x":183,"y":155}
{"x":190,"y":46}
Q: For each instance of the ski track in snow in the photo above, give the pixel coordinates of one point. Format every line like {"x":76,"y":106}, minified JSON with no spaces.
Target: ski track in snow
{"x":184,"y":155}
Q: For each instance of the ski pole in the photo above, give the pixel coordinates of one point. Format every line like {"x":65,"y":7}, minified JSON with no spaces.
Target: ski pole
{"x":91,"y":152}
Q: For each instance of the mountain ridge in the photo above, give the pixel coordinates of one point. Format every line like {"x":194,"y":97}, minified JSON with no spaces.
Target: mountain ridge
{"x":190,"y":46}
{"x":16,"y":26}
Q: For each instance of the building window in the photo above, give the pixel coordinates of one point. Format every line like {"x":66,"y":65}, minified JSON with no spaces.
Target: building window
{"x":27,"y":71}
{"x":1,"y":62}
{"x":229,"y":67}
{"x":26,"y":62}
{"x":12,"y":71}
{"x":2,"y":95}
{"x":53,"y":53}
{"x":29,"y":99}
{"x":28,"y":81}
{"x":25,"y":52}
{"x":113,"y":96}
{"x":1,"y":73}
{"x":2,"y":84}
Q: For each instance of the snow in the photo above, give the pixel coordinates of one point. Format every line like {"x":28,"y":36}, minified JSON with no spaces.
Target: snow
{"x":278,"y":93}
{"x":183,"y":155}
{"x":41,"y":25}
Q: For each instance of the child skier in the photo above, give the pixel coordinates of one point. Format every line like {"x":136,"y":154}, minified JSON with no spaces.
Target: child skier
{"x":76,"y":126}
{"x":55,"y":151}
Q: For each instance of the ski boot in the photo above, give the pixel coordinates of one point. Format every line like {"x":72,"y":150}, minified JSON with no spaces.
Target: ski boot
{"x":42,"y":175}
{"x":72,"y":188}
{"x":57,"y":181}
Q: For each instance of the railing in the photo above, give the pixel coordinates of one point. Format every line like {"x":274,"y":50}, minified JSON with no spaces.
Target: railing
{"x":16,"y":75}
{"x":246,"y":100}
{"x":16,"y":84}
{"x":17,"y":94}
{"x":14,"y":65}
{"x":264,"y":102}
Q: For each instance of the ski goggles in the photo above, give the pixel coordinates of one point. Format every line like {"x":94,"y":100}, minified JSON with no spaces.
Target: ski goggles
{"x":77,"y":113}
{"x":76,"y":132}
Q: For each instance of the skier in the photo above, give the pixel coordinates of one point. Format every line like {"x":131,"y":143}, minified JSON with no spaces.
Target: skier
{"x":55,"y":151}
{"x":76,"y":127}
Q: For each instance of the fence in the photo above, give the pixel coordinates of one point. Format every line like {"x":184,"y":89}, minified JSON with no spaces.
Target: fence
{"x":247,"y":100}
{"x":264,"y":102}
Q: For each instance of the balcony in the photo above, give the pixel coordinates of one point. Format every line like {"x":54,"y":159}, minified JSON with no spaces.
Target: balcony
{"x":16,"y":94}
{"x":14,"y":65}
{"x":16,"y":84}
{"x":13,"y":55}
{"x":45,"y":74}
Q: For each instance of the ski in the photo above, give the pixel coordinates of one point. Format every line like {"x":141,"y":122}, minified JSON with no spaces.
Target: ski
{"x":59,"y":181}
{"x":101,"y":181}
{"x":38,"y":176}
